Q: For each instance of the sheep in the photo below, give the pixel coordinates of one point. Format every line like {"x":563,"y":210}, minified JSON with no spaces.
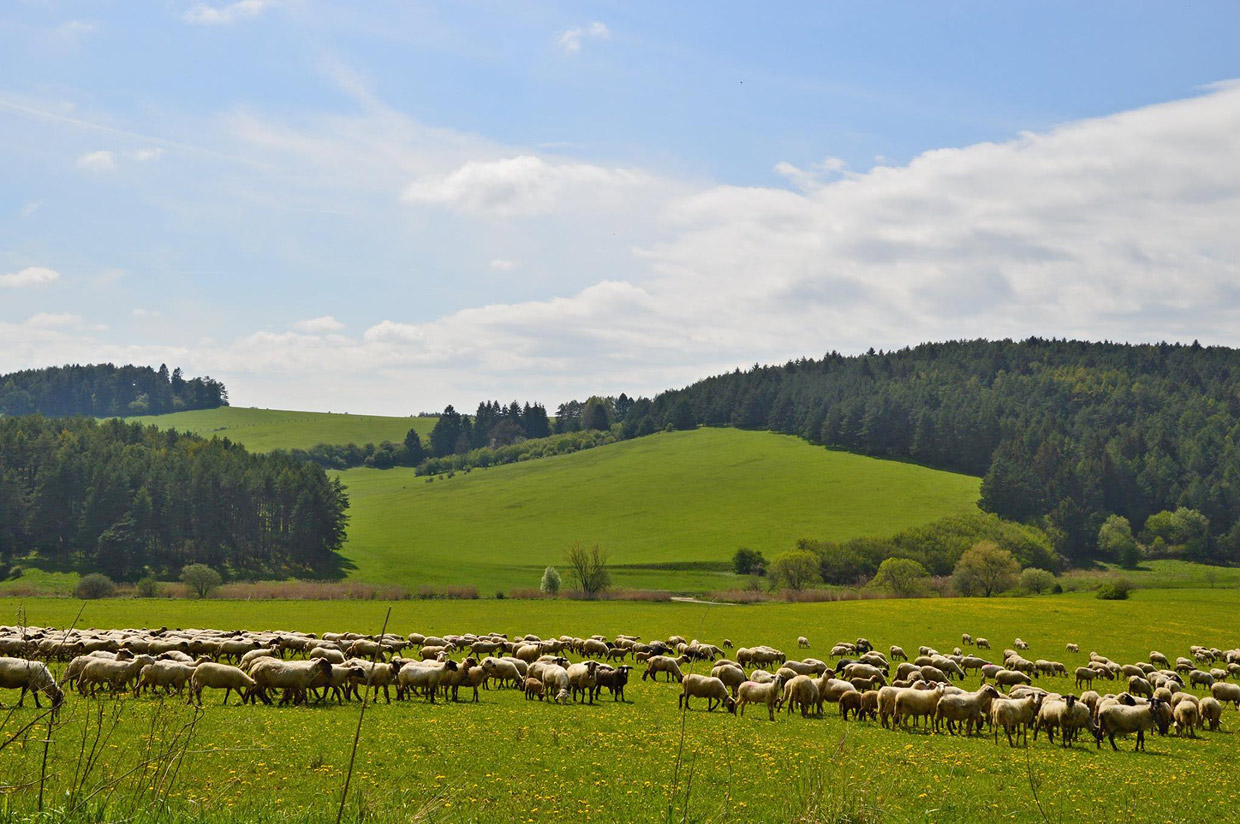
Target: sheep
{"x":1122,"y":719}
{"x":378,"y":674}
{"x":898,"y":653}
{"x":1211,"y":712}
{"x":1226,"y":693}
{"x":555,"y":681}
{"x":1070,"y":648}
{"x":115,"y":673}
{"x":167,"y":674}
{"x":887,"y":704}
{"x":966,"y":639}
{"x":859,"y":670}
{"x":330,"y":654}
{"x":809,"y":666}
{"x":1010,"y":678}
{"x":803,"y":642}
{"x":1084,"y":676}
{"x":614,"y":678}
{"x":704,"y":686}
{"x":219,"y":676}
{"x":423,"y":676}
{"x":502,"y":672}
{"x":915,"y":703}
{"x":802,"y":691}
{"x":468,"y":674}
{"x":581,"y":679}
{"x":1198,"y":678}
{"x":1139,"y":686}
{"x":967,"y":709}
{"x":752,"y":692}
{"x":731,"y":676}
{"x":1055,"y":713}
{"x":661,"y":663}
{"x":1014,"y":714}
{"x":344,"y":681}
{"x":254,"y":654}
{"x":29,"y":676}
{"x":533,"y":688}
{"x":295,"y":678}
{"x":1187,"y":717}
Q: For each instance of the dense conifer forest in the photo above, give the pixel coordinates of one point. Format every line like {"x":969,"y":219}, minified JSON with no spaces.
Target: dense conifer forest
{"x":103,"y":390}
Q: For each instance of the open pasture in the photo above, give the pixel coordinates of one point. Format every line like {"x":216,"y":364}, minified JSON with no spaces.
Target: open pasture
{"x":671,"y":509}
{"x":511,"y":759}
{"x":262,"y":430}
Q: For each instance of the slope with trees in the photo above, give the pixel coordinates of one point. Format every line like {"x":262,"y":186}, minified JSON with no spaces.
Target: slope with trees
{"x":103,"y":390}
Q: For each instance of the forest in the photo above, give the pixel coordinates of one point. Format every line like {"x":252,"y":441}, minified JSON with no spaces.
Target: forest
{"x":103,"y":390}
{"x":128,"y":500}
{"x":1065,"y":433}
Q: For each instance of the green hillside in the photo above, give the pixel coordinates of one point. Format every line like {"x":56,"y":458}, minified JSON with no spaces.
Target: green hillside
{"x":683,"y":498}
{"x":262,"y":430}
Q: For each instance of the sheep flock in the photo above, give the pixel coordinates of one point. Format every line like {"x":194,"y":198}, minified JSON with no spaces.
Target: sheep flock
{"x":925,"y":692}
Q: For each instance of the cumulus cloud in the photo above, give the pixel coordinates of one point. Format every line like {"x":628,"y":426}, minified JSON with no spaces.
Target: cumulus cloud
{"x":100,"y":161}
{"x":30,"y":276}
{"x":515,"y":186}
{"x":315,"y":326}
{"x":49,"y":320}
{"x":570,"y":39}
{"x":203,"y":14}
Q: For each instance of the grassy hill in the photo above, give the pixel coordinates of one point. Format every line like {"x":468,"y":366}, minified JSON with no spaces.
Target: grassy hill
{"x":262,"y":430}
{"x":671,"y":508}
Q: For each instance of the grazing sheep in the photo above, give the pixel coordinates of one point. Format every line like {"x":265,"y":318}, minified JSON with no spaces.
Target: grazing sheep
{"x":1187,"y":717}
{"x":1056,"y":713}
{"x":732,"y":676}
{"x":1010,"y":678}
{"x":1139,"y":686}
{"x":752,"y":692}
{"x":1014,"y":714}
{"x":803,"y":642}
{"x":982,"y":643}
{"x":1121,"y":719}
{"x":422,"y":676}
{"x":969,"y":709}
{"x":581,"y":679}
{"x":503,"y":672}
{"x":1211,"y":712}
{"x":614,"y":678}
{"x":898,"y":653}
{"x":1198,"y":678}
{"x":727,"y":643}
{"x":219,"y":676}
{"x":802,"y":691}
{"x":29,"y":676}
{"x":1226,"y":693}
{"x":1069,"y":648}
{"x":966,"y":639}
{"x":555,"y":680}
{"x":331,"y":654}
{"x":533,"y":688}
{"x":1084,"y":676}
{"x":916,"y":704}
{"x":171,"y":675}
{"x":703,"y":686}
{"x":661,"y":663}
{"x":115,"y":673}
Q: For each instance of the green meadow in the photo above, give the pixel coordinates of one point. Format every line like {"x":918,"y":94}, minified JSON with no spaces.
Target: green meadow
{"x":262,"y":430}
{"x":508,"y":759}
{"x":671,"y":509}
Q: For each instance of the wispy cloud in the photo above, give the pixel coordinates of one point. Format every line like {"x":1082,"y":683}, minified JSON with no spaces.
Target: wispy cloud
{"x":30,"y":276}
{"x":49,"y":320}
{"x":501,"y":265}
{"x":315,"y":326}
{"x":570,"y":39}
{"x":207,"y":15}
{"x":100,"y":161}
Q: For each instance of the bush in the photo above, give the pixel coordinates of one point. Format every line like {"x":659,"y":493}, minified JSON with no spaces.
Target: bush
{"x":985,"y":570}
{"x":201,"y":579}
{"x":550,"y":584}
{"x":148,"y":587}
{"x":1116,"y":589}
{"x":1037,"y":581}
{"x":796,"y":570}
{"x":902,"y":577}
{"x":95,"y":585}
{"x":748,"y":561}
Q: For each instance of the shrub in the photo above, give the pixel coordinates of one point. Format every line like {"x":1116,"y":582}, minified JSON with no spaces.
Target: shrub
{"x":796,"y":570}
{"x":147,"y":587}
{"x":985,"y":570}
{"x":95,"y":585}
{"x":1116,"y":589}
{"x":550,"y":584}
{"x":1037,"y":581}
{"x":588,"y":567}
{"x":748,"y":561}
{"x":902,"y":577}
{"x":200,"y":579}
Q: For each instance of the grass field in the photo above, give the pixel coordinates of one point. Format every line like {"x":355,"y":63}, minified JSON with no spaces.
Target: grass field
{"x":262,"y":430}
{"x":506,"y":759}
{"x":683,"y":498}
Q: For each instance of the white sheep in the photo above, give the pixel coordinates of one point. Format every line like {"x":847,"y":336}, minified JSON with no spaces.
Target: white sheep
{"x":29,"y":676}
{"x":802,"y":691}
{"x":1122,"y":719}
{"x":219,"y":676}
{"x":1211,"y":712}
{"x":703,"y":686}
{"x":916,"y":704}
{"x":752,"y":692}
{"x":969,"y":710}
{"x":1014,"y":714}
{"x":1226,"y":693}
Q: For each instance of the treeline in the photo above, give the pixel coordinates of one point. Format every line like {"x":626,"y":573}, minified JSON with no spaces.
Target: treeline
{"x":103,"y":390}
{"x":1064,"y":432}
{"x":124,"y":499}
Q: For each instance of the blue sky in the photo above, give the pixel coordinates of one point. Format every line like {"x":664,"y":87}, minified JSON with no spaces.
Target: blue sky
{"x":415,"y":204}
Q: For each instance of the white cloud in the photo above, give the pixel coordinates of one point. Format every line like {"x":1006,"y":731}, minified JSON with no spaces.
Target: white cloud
{"x":321,"y":325}
{"x":139,"y":312}
{"x":203,"y":14}
{"x":570,"y":39}
{"x":815,"y":175}
{"x":148,"y":155}
{"x":30,"y":276}
{"x":49,"y":320}
{"x":100,"y":161}
{"x":515,"y":186}
{"x":501,"y":265}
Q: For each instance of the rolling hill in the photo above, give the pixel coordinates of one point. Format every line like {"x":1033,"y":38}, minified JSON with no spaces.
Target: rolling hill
{"x":262,"y":430}
{"x":671,"y":508}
